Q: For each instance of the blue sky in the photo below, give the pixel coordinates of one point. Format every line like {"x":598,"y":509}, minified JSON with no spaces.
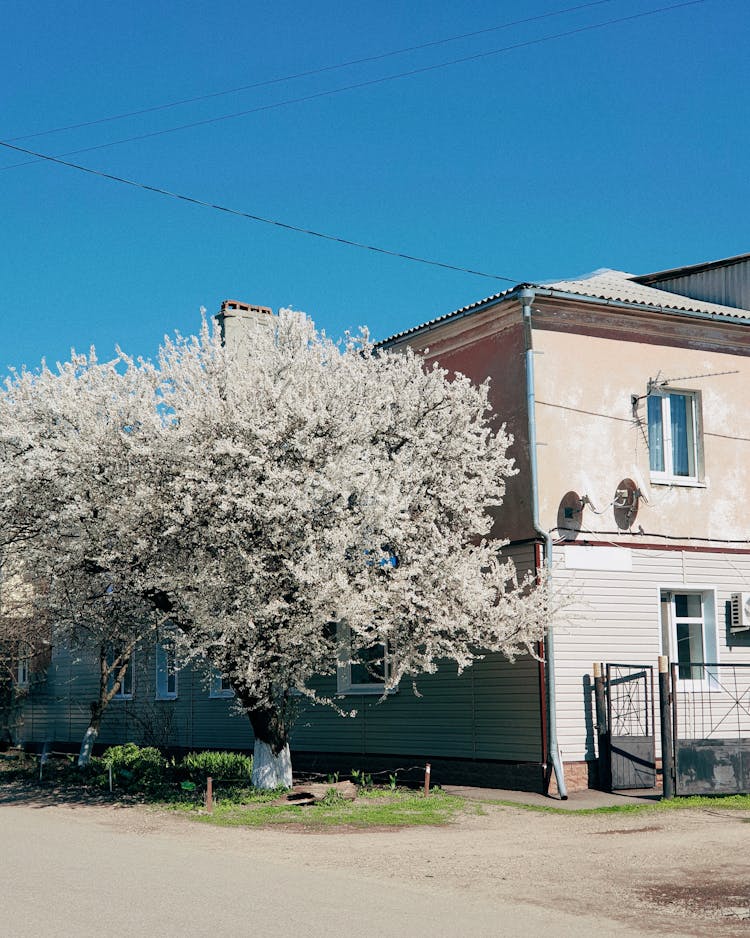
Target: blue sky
{"x":624,"y":147}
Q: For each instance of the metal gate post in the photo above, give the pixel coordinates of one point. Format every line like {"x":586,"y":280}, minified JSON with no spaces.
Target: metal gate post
{"x":602,"y":728}
{"x":665,"y":713}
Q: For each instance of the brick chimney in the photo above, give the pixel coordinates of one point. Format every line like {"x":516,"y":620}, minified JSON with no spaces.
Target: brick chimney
{"x":241,"y":322}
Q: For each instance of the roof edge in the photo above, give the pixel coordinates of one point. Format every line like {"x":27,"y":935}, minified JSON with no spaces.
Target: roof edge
{"x":674,"y":272}
{"x":551,"y":292}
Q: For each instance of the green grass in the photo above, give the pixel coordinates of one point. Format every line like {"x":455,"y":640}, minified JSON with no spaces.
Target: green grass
{"x":373,"y":808}
{"x":728,"y":802}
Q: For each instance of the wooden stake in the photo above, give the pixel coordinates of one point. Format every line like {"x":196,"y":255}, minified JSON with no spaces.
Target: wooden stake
{"x":427,"y":770}
{"x":209,"y":794}
{"x":667,"y":742}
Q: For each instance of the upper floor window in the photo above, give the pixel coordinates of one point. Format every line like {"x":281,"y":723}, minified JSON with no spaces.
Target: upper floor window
{"x":673,"y":436}
{"x":166,"y":672}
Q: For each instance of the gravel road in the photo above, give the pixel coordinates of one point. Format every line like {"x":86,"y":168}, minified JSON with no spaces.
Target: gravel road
{"x":92,"y":870}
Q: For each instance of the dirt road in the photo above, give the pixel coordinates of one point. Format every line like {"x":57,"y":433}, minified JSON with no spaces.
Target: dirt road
{"x":86,"y":871}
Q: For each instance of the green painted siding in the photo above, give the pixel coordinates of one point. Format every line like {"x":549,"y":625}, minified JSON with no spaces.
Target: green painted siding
{"x":491,"y":712}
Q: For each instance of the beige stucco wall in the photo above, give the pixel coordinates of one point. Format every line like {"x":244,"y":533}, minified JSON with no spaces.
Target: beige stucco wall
{"x":590,"y":439}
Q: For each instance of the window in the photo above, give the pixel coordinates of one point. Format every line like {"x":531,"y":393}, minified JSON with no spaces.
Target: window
{"x":364,"y":671}
{"x":23,"y":668}
{"x":673,"y":436}
{"x":689,"y":633}
{"x":125,"y":690}
{"x":220,"y":686}
{"x":166,"y":672}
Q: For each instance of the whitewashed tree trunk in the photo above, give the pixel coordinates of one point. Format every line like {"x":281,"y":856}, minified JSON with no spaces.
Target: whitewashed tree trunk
{"x":269,"y":769}
{"x":87,"y":745}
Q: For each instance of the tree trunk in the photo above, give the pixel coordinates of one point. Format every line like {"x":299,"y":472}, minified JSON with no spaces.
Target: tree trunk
{"x":91,"y":734}
{"x":271,"y":769}
{"x":272,"y":761}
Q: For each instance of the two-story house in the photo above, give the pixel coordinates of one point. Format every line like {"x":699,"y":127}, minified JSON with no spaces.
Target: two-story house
{"x":626,"y":399}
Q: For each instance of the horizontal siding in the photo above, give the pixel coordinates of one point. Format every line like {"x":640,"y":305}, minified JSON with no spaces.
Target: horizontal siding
{"x":492,"y":711}
{"x":615,"y":617}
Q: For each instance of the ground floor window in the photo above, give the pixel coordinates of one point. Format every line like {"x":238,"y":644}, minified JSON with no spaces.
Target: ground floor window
{"x":23,"y":667}
{"x":125,"y":690}
{"x":166,"y":672}
{"x":220,"y":686}
{"x":362,"y":671}
{"x":688,"y":620}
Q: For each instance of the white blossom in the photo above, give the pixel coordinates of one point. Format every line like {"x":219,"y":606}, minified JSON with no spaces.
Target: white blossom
{"x":255,"y":498}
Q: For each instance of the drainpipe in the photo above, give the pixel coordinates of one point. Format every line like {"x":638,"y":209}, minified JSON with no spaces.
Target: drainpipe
{"x":526,"y":297}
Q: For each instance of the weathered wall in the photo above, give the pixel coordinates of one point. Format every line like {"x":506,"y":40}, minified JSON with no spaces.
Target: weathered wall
{"x":591,"y":439}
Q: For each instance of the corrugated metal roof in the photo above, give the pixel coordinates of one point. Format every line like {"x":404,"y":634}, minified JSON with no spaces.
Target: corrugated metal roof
{"x":604,"y":284}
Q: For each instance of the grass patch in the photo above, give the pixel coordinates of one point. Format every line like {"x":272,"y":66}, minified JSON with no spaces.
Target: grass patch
{"x":373,"y":808}
{"x":728,"y":802}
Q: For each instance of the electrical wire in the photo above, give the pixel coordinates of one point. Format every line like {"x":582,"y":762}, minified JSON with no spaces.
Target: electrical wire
{"x":309,"y":73}
{"x":369,"y":82}
{"x":259,"y":218}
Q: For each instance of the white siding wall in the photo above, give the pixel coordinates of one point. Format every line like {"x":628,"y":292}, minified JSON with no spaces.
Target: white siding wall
{"x":616,"y":618}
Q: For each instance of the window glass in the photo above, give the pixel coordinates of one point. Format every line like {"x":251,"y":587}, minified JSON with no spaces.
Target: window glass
{"x":368,"y":666}
{"x":655,"y":434}
{"x":363,"y":671}
{"x":126,"y":685}
{"x":23,"y":664}
{"x":691,"y":632}
{"x":690,"y":650}
{"x":221,"y":686}
{"x":688,"y":605}
{"x":166,"y":671}
{"x":681,"y":414}
{"x":672,"y":442}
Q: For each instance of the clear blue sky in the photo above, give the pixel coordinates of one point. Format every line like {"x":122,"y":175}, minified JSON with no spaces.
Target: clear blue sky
{"x":624,"y":147}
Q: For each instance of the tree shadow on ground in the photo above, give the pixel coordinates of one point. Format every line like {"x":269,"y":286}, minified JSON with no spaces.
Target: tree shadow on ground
{"x":51,"y":794}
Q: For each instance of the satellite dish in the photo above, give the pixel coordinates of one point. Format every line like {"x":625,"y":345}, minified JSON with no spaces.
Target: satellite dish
{"x":626,"y":503}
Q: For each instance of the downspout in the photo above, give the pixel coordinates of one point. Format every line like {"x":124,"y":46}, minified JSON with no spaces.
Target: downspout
{"x":526,"y":297}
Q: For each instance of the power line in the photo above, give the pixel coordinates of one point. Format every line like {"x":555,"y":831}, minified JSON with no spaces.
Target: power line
{"x":306,"y":74}
{"x":259,"y":218}
{"x":370,"y":82}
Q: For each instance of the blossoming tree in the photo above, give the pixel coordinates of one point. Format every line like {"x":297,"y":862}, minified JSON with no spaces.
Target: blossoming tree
{"x":72,"y":443}
{"x":292,"y":505}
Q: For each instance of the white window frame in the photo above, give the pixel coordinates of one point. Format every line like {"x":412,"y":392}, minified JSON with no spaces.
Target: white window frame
{"x":165,"y":651}
{"x":23,"y":666}
{"x":708,"y":621}
{"x":344,"y":685}
{"x":126,"y":690}
{"x":219,"y":687}
{"x":667,"y":475}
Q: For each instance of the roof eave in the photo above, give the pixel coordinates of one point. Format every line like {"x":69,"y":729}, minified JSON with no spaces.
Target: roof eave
{"x":513,"y":292}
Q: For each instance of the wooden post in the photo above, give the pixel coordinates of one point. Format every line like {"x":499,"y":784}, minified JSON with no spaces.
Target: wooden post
{"x":667,"y":743}
{"x":209,"y":794}
{"x":427,"y":770}
{"x":602,"y":730}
